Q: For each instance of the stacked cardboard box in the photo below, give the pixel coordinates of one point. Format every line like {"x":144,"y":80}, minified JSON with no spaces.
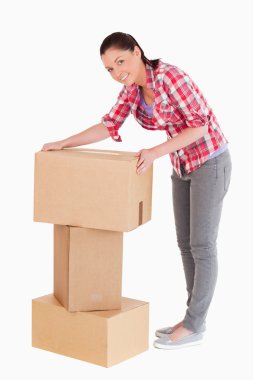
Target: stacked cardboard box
{"x":91,"y":197}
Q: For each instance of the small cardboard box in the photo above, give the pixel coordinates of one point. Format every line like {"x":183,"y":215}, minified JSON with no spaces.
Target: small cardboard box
{"x":91,"y":188}
{"x":87,"y":268}
{"x":100,"y":337}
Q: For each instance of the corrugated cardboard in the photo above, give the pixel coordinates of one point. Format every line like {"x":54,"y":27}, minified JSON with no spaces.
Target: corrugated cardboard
{"x":91,"y":188}
{"x":100,"y":337}
{"x":87,"y":268}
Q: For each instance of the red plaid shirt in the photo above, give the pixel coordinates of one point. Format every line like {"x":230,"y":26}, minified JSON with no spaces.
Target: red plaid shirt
{"x":178,"y":104}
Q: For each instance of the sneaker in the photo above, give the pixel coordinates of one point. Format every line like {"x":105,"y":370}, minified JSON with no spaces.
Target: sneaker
{"x":164,"y":331}
{"x":190,"y":340}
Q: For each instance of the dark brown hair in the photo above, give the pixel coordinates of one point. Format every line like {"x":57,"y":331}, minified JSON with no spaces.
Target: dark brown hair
{"x":125,"y":41}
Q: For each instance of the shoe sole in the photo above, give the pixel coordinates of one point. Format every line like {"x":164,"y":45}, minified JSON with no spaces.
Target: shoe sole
{"x":174,"y":347}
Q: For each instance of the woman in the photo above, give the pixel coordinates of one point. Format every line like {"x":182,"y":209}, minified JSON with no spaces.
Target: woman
{"x":163,"y":97}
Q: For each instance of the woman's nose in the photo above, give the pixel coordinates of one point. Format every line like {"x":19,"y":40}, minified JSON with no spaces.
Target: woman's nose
{"x":118,"y":75}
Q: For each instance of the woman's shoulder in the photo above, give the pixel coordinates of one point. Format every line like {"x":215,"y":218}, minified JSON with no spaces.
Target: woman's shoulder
{"x":168,"y":69}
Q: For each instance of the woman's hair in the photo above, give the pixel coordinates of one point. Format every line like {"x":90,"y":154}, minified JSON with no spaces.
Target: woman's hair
{"x":125,"y":41}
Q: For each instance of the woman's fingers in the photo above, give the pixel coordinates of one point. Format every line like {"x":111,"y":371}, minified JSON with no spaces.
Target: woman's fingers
{"x":141,"y":161}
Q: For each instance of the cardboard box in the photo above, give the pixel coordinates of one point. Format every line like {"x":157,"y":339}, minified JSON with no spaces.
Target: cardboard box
{"x":87,"y":268}
{"x":100,"y":337}
{"x":91,"y":188}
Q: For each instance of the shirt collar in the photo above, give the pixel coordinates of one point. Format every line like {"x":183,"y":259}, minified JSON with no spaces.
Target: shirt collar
{"x":150,"y":80}
{"x":150,"y":76}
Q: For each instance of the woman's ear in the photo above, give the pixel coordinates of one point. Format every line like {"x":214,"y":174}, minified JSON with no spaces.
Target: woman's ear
{"x":137,"y":51}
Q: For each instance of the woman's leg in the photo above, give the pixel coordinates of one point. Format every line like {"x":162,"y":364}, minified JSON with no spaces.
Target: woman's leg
{"x":181,"y":207}
{"x":208,"y":186}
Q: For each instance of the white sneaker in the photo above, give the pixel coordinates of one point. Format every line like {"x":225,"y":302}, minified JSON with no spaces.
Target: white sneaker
{"x":165,"y":331}
{"x":168,"y":344}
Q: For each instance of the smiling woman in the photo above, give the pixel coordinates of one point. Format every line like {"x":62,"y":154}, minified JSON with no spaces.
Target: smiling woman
{"x":163,"y":97}
{"x":199,"y":155}
{"x":125,"y":60}
{"x":126,"y":42}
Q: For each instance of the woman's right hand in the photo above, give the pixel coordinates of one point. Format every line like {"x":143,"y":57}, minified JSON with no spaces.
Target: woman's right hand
{"x":56,"y":145}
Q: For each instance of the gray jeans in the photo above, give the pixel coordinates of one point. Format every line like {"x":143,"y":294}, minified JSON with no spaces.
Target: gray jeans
{"x":197,"y":203}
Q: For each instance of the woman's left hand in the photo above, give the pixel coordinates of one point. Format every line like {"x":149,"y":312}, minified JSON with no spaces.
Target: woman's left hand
{"x":146,"y":158}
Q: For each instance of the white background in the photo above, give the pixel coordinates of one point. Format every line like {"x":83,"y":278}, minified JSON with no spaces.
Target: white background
{"x":53,"y":85}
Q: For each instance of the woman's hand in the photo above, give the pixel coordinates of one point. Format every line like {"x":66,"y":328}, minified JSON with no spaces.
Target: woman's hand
{"x":56,"y":145}
{"x":146,"y":158}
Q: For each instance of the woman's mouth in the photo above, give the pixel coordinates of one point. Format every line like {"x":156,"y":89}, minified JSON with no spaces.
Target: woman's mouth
{"x":124,"y":77}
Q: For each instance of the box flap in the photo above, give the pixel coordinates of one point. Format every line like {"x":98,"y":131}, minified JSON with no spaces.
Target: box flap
{"x":93,"y":154}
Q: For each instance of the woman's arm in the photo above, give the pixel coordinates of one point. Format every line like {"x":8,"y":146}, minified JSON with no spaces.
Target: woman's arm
{"x":184,"y":95}
{"x":186,"y":137}
{"x":91,"y":135}
{"x":114,"y":119}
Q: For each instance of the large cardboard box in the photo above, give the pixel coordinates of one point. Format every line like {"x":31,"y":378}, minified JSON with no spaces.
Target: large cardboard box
{"x":100,"y":337}
{"x":87,"y":268}
{"x":91,"y":188}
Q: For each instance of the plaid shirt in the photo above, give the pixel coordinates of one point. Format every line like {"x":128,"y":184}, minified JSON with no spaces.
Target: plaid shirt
{"x":178,"y":104}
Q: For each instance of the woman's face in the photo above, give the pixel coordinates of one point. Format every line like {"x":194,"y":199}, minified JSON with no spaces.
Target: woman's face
{"x":125,"y":66}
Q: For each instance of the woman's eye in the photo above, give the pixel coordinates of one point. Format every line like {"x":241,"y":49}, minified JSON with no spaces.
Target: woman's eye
{"x":121,"y":60}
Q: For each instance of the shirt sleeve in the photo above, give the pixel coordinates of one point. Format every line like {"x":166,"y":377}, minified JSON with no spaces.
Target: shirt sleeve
{"x":114,"y":119}
{"x":186,"y":97}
